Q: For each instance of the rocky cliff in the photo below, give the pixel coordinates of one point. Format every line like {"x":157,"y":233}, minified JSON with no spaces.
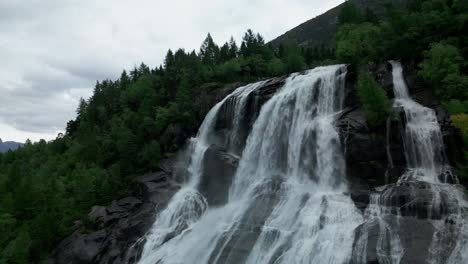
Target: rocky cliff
{"x":375,"y":159}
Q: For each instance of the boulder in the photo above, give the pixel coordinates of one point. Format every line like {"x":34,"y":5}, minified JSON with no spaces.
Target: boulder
{"x":143,"y":187}
{"x":219,"y":168}
{"x":97,"y":213}
{"x":80,"y":248}
{"x":123,"y":223}
{"x":421,"y":200}
{"x":365,"y":152}
{"x":129,"y":203}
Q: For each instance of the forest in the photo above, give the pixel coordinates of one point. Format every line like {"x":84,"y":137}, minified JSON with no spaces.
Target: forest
{"x":124,"y":129}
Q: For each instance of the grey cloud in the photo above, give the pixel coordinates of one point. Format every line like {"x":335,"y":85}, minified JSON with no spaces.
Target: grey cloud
{"x":52,"y":52}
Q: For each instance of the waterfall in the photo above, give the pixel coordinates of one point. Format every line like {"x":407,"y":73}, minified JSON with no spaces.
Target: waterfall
{"x":423,"y":192}
{"x":424,"y":150}
{"x":424,"y":147}
{"x":188,"y":204}
{"x":286,"y":202}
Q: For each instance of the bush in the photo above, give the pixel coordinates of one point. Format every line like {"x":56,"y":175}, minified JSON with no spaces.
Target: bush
{"x":461,"y":122}
{"x":375,"y":102}
{"x":441,"y":67}
{"x":356,"y":43}
{"x":455,"y":106}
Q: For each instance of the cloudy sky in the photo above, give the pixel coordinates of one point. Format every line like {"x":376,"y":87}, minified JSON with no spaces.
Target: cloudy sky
{"x":53,"y":51}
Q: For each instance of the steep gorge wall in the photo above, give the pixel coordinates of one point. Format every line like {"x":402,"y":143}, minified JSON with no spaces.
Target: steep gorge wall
{"x":367,"y":151}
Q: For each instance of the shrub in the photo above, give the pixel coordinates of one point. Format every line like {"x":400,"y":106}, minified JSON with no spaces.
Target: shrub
{"x":375,"y":102}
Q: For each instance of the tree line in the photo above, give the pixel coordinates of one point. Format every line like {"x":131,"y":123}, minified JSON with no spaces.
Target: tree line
{"x":129,"y":124}
{"x":123,"y":130}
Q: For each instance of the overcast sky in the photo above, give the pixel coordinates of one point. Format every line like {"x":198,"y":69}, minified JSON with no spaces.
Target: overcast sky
{"x":53,"y":51}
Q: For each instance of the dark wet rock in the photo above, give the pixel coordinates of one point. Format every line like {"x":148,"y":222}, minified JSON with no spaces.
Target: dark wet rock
{"x":97,"y":214}
{"x":122,"y":224}
{"x":145,"y":186}
{"x":420,"y":199}
{"x":167,"y":165}
{"x":384,"y":77}
{"x":210,"y":94}
{"x":350,"y":92}
{"x":129,"y":203}
{"x":225,"y":119}
{"x":420,"y":215}
{"x":366,"y":151}
{"x":175,"y":136}
{"x":234,"y":248}
{"x":80,"y":248}
{"x":218,"y":173}
{"x":359,"y":191}
{"x":415,"y":236}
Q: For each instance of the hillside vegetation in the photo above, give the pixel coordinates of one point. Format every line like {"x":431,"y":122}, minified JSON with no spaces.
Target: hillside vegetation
{"x":128,"y":124}
{"x":122,"y":131}
{"x":431,"y":34}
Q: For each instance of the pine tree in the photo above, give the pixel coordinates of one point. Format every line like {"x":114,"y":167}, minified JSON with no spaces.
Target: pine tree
{"x":209,"y":51}
{"x":233,"y":49}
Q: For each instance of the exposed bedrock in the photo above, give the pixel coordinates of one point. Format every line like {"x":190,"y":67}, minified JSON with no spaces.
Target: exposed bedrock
{"x":375,"y":159}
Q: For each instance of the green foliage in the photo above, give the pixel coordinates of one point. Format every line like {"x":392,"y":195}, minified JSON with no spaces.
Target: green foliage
{"x":375,"y":103}
{"x":350,"y":14}
{"x":275,"y":67}
{"x":293,"y":59}
{"x":442,"y":68}
{"x":209,"y":51}
{"x":461,"y":122}
{"x":230,"y":70}
{"x":358,"y":43}
{"x":17,"y":251}
{"x":455,"y":106}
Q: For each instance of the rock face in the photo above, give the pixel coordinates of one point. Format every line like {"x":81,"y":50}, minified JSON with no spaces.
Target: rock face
{"x":219,"y":171}
{"x":375,"y":160}
{"x":415,"y":221}
{"x":121,"y":224}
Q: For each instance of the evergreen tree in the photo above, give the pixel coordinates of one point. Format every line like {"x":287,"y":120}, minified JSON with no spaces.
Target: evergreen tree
{"x":209,"y":51}
{"x":233,"y":49}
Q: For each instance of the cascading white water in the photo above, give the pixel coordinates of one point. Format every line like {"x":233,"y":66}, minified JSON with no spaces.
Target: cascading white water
{"x":294,"y":139}
{"x":424,"y":147}
{"x":422,"y":190}
{"x":425,"y":154}
{"x":424,"y":151}
{"x":286,"y":201}
{"x":388,"y":246}
{"x":188,"y":204}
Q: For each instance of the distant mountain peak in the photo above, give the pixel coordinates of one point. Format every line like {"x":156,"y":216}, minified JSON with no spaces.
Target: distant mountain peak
{"x":9,"y":145}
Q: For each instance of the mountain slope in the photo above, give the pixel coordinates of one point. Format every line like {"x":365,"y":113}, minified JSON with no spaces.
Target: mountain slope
{"x":322,"y":29}
{"x":8,"y":145}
